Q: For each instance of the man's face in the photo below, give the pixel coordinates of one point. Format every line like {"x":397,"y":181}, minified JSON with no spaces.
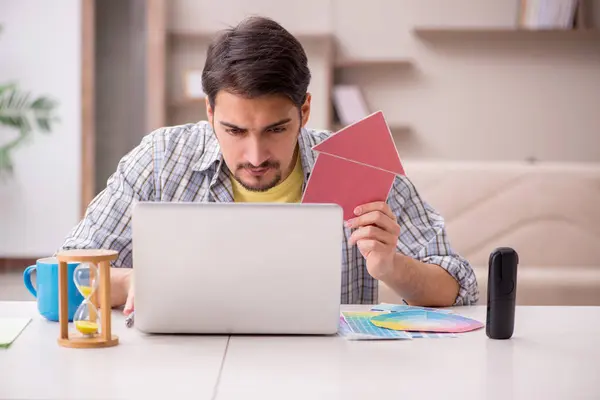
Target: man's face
{"x":257,"y":136}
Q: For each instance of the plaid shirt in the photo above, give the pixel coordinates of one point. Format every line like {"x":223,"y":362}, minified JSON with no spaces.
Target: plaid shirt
{"x":184,"y":163}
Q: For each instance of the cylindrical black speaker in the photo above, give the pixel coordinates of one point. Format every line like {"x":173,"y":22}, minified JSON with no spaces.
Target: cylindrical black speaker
{"x":501,"y":293}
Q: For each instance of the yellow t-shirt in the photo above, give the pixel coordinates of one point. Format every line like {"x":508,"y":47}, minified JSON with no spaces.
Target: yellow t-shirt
{"x":288,"y":191}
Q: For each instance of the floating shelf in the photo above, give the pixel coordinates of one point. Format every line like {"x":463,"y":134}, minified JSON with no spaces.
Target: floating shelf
{"x":394,"y":128}
{"x":500,"y":32}
{"x":367,"y":63}
{"x":207,"y":36}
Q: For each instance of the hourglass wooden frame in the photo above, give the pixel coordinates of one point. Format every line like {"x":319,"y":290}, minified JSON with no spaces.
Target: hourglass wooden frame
{"x":101,"y":259}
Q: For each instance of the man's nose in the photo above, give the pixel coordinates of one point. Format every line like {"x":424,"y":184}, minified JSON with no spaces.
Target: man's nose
{"x":256,"y":152}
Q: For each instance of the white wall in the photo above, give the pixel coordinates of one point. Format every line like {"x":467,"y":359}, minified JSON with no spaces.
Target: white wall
{"x":464,"y":99}
{"x":40,"y":49}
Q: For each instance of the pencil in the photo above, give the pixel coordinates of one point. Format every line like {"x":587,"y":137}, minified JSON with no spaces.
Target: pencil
{"x":129,"y":320}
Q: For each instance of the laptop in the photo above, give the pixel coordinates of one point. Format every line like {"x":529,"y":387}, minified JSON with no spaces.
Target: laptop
{"x":237,"y":268}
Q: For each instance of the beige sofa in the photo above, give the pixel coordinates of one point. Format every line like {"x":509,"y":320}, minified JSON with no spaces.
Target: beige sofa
{"x":549,"y":213}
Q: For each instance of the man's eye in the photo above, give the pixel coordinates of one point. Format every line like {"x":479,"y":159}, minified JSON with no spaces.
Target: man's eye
{"x":278,"y":129}
{"x":234,"y":131}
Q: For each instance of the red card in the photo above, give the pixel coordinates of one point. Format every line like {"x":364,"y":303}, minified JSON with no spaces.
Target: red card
{"x":338,"y":181}
{"x":357,"y":165}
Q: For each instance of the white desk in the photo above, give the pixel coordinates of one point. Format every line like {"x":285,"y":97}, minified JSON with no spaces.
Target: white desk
{"x":140,"y":367}
{"x":543,"y":360}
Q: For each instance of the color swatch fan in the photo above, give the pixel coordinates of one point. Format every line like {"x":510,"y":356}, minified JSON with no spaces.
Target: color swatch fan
{"x":425,"y":321}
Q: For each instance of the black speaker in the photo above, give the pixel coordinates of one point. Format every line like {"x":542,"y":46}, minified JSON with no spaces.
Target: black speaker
{"x":501,"y":293}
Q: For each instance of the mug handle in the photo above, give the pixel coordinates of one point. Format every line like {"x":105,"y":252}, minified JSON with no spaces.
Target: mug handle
{"x":27,"y":279}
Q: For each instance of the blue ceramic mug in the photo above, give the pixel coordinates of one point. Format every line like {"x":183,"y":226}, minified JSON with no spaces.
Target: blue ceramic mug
{"x":46,"y":291}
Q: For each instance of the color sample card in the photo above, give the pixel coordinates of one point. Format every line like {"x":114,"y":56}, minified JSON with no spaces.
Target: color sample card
{"x":404,"y":307}
{"x":358,"y":326}
{"x":337,"y":181}
{"x":354,"y":166}
{"x":425,"y":321}
{"x":431,"y":335}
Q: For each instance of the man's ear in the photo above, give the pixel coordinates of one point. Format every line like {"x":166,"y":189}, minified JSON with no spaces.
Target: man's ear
{"x":209,"y":111}
{"x":305,"y":110}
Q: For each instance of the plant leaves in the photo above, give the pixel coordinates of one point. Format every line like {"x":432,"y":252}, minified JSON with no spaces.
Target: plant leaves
{"x":8,"y":86}
{"x":19,"y":113}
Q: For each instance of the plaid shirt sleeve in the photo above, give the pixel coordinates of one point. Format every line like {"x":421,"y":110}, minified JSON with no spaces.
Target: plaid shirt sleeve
{"x":107,"y":221}
{"x":423,"y":237}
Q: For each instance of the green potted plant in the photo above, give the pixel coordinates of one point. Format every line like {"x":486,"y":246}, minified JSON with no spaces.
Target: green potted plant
{"x":22,"y":114}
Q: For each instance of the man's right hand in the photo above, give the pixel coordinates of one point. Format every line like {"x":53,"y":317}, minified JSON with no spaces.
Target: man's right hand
{"x":129,"y":305}
{"x":120,"y":286}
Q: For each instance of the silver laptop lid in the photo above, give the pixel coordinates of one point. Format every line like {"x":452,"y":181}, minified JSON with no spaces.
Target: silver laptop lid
{"x":237,"y":267}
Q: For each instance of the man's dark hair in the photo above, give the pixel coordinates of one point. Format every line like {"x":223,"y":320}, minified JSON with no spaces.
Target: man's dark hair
{"x":255,"y":58}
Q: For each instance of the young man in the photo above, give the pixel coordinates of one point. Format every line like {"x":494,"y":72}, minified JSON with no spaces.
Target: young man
{"x":255,"y":148}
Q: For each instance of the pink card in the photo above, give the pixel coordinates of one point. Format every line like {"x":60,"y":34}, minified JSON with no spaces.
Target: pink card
{"x":335,"y":180}
{"x":356,"y":165}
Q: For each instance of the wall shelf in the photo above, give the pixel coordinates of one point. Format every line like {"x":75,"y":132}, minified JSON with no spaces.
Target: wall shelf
{"x":434,"y":33}
{"x":367,"y":63}
{"x":394,"y":128}
{"x":207,"y":36}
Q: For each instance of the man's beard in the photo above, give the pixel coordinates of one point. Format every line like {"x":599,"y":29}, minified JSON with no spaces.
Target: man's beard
{"x":272,"y":165}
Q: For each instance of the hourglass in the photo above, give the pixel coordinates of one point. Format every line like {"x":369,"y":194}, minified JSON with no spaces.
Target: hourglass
{"x":85,"y":319}
{"x":91,"y":277}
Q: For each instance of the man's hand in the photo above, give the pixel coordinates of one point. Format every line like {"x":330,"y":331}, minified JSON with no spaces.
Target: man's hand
{"x":129,"y":305}
{"x":120,"y":286}
{"x":376,"y":236}
{"x":419,"y":283}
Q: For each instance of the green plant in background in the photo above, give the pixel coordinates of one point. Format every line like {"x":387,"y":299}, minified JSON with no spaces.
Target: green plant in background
{"x":23,"y":115}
